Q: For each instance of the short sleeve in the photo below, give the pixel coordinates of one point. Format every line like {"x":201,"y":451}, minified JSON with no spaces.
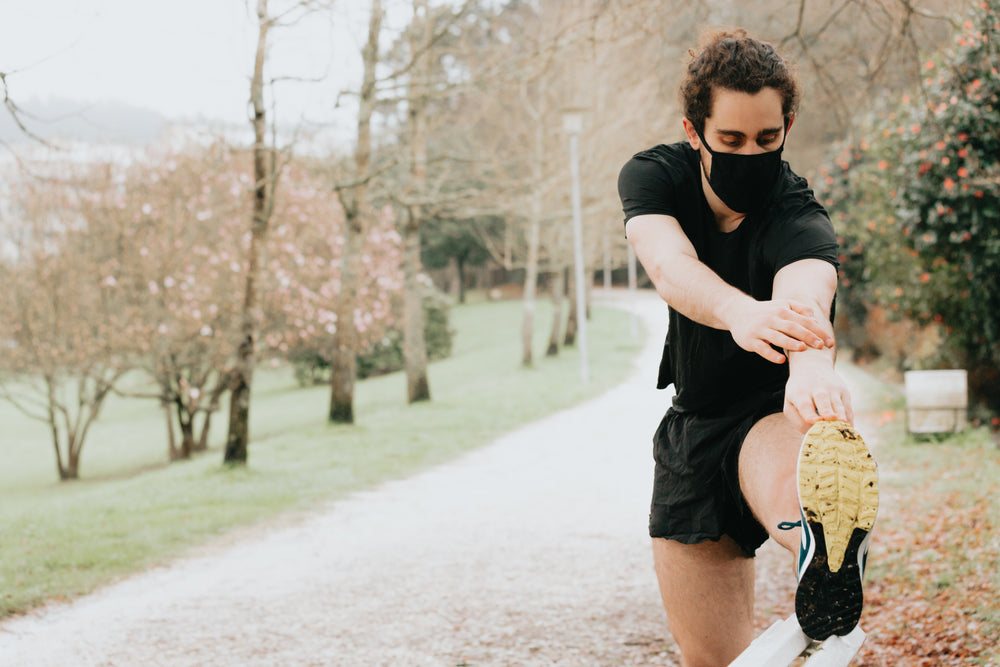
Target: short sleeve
{"x":645,"y":187}
{"x":803,"y":231}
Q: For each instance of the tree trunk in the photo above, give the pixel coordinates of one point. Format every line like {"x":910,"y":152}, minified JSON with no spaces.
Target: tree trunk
{"x":414,"y":345}
{"x":185,"y":420}
{"x":201,"y":444}
{"x":72,"y":470}
{"x":213,"y":405}
{"x":187,"y":435}
{"x":460,"y":268}
{"x":239,"y":406}
{"x":607,"y":258}
{"x":60,"y":466}
{"x":534,"y":242}
{"x":172,"y":452}
{"x":343,"y":370}
{"x":558,"y":287}
{"x":571,"y":323}
{"x":343,"y":364}
{"x":343,"y":361}
{"x":530,"y":289}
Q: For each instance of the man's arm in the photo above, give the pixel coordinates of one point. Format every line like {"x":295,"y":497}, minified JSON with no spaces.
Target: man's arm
{"x":814,"y":390}
{"x":697,"y":292}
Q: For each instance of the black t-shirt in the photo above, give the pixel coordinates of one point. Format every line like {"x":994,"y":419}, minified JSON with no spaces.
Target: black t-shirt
{"x":708,"y":369}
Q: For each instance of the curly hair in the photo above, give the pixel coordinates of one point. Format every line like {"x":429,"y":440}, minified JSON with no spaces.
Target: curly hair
{"x":735,"y":61}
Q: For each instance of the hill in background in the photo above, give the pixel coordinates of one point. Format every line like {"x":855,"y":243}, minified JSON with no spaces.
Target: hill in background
{"x":58,"y":119}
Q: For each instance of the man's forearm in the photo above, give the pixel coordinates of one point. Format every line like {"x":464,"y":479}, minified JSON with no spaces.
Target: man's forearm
{"x":694,"y":290}
{"x":811,"y":358}
{"x":697,"y":292}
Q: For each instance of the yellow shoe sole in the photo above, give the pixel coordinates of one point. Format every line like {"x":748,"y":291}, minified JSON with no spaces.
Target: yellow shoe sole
{"x":838,"y":485}
{"x":838,"y":490}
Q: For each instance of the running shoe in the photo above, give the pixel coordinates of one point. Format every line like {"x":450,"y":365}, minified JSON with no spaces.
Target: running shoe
{"x":838,"y":496}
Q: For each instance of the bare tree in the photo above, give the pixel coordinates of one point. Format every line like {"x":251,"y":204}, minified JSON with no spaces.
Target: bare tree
{"x":420,"y":82}
{"x":263,"y":205}
{"x":414,"y":345}
{"x":353,"y":192}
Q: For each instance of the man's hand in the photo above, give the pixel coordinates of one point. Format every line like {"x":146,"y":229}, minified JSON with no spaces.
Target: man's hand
{"x":815,"y":391}
{"x":784,"y":323}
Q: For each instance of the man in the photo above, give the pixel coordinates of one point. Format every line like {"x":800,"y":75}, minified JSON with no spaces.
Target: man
{"x":746,"y":259}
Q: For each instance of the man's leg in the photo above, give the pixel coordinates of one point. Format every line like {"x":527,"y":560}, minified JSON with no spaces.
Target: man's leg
{"x":768,"y":480}
{"x":840,"y":486}
{"x":707,"y":590}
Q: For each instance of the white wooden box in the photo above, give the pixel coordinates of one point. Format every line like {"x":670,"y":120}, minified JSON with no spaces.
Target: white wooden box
{"x":936,"y":401}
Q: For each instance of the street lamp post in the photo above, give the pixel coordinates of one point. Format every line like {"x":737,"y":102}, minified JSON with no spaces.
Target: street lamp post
{"x":573,"y":125}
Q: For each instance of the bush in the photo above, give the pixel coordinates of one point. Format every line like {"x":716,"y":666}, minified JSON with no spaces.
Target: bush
{"x":385,"y":356}
{"x":919,"y":205}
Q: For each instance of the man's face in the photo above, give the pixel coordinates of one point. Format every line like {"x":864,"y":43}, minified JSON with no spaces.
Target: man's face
{"x":741,"y":123}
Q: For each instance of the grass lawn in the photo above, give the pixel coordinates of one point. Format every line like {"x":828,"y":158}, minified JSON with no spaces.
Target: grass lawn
{"x":130,"y":510}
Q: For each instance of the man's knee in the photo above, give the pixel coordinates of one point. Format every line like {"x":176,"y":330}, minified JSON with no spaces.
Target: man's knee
{"x":767,"y":465}
{"x":707,"y":592}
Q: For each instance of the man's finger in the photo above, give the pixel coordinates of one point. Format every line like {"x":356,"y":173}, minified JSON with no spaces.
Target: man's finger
{"x":800,"y":308}
{"x":806,"y":318}
{"x":839,"y":410}
{"x":785,"y":342}
{"x":768,"y":352}
{"x":823,"y":406}
{"x":802,"y":333}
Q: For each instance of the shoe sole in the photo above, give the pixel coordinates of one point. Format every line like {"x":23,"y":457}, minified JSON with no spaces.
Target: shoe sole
{"x":838,"y":490}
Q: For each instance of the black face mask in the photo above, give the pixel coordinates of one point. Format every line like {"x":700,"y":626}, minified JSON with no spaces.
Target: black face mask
{"x":744,"y":182}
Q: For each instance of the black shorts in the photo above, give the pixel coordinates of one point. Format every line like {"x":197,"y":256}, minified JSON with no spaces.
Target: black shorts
{"x":696,"y":488}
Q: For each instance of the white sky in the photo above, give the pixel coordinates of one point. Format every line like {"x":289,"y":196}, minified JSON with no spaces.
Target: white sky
{"x":182,"y":58}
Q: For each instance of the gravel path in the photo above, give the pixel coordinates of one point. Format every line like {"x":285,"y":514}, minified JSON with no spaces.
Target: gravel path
{"x":530,"y":551}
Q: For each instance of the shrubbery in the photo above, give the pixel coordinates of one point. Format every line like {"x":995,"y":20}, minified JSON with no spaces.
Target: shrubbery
{"x":386,"y":355}
{"x":918,"y":205}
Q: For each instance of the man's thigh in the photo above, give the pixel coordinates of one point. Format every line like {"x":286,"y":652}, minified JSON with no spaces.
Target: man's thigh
{"x":767,"y":470}
{"x":708,"y":594}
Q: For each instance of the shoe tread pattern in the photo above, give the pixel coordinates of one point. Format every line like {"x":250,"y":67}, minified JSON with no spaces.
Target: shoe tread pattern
{"x":838,"y":489}
{"x":838,"y":485}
